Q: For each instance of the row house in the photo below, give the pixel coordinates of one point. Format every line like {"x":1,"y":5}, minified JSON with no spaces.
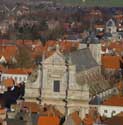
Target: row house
{"x":8,"y":53}
{"x":18,"y":75}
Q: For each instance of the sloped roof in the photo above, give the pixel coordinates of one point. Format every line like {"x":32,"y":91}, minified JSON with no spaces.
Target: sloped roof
{"x":116,"y":120}
{"x":114,"y":101}
{"x":75,"y":116}
{"x":48,"y":120}
{"x":18,"y":71}
{"x":88,"y":120}
{"x":8,"y":51}
{"x":111,"y":62}
{"x":9,"y":82}
{"x":82,"y":59}
{"x":2,"y":111}
{"x":34,"y":107}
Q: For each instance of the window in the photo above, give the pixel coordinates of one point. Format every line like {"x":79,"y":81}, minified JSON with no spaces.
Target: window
{"x":3,"y":77}
{"x":113,"y":112}
{"x":56,"y":86}
{"x":15,"y":78}
{"x":20,"y":78}
{"x":24,"y":78}
{"x":105,"y":111}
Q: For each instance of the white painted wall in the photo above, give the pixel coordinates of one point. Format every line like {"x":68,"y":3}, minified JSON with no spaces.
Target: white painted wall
{"x":96,"y":52}
{"x":108,"y":110}
{"x":104,"y":110}
{"x":17,"y":77}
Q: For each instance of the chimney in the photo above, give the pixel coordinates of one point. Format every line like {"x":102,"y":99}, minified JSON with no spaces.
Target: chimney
{"x":120,"y":88}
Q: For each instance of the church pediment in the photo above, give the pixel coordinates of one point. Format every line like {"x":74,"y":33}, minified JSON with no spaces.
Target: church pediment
{"x":55,"y":59}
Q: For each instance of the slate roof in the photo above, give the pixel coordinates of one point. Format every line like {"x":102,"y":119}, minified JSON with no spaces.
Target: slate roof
{"x":83,"y":59}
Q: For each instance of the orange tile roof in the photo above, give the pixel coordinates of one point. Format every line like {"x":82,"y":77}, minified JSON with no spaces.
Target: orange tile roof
{"x":2,"y":111}
{"x":115,"y":120}
{"x":120,"y":85}
{"x":32,"y":106}
{"x":49,"y":110}
{"x":2,"y":68}
{"x":76,"y":118}
{"x":9,"y":82}
{"x":65,"y":46}
{"x":8,"y":51}
{"x":18,"y":71}
{"x":119,"y":16}
{"x":35,"y":46}
{"x":88,"y":120}
{"x":117,"y":46}
{"x":114,"y":101}
{"x":48,"y":120}
{"x":112,"y":62}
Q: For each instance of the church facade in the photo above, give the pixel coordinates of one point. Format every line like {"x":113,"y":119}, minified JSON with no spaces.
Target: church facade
{"x":56,"y":84}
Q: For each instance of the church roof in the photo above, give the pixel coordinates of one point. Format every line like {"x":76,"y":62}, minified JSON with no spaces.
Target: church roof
{"x":83,"y":59}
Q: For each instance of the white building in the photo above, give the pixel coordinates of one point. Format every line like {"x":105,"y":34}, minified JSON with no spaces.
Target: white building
{"x":96,"y":52}
{"x":17,"y":75}
{"x":103,"y":110}
{"x":56,"y":83}
{"x":109,"y":111}
{"x":111,"y":26}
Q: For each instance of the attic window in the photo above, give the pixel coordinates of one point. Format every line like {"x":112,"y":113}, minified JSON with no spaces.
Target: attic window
{"x":56,"y":86}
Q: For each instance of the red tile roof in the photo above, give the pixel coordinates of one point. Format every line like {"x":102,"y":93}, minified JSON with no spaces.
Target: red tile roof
{"x":9,"y":82}
{"x":88,"y":120}
{"x":76,"y":118}
{"x":32,"y":106}
{"x":119,"y":16}
{"x":2,"y":110}
{"x":116,"y":120}
{"x":65,"y":46}
{"x":8,"y":52}
{"x":114,"y":101}
{"x":2,"y":68}
{"x":48,"y":120}
{"x":18,"y":71}
{"x":111,"y":62}
{"x":117,"y":46}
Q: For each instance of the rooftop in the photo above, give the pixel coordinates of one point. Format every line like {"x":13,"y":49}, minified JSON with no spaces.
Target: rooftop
{"x":83,"y":59}
{"x":114,"y":101}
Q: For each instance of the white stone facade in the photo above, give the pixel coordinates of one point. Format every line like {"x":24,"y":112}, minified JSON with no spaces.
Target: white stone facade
{"x":52,"y":81}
